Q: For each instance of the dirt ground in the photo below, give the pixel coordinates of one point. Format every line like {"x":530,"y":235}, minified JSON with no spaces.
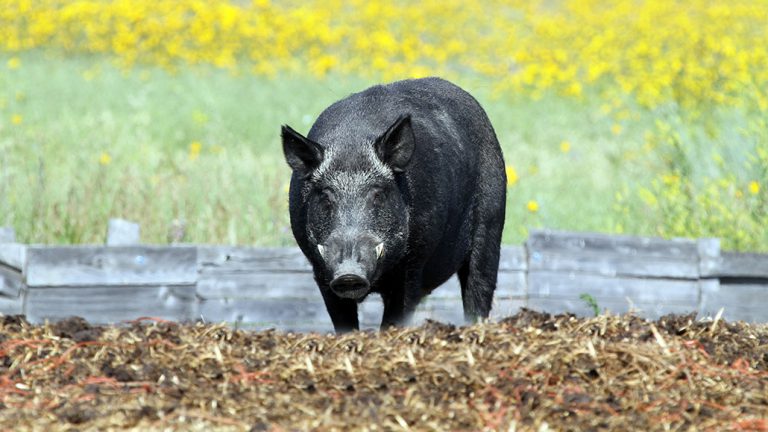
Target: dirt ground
{"x":531,"y":371}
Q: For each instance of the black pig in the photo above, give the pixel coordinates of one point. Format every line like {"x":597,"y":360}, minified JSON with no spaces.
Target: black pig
{"x":394,"y":190}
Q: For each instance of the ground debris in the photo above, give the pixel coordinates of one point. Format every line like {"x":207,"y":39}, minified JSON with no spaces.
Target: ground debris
{"x":531,"y":371}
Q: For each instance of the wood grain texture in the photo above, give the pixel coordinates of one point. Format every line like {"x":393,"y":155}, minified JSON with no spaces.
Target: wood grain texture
{"x":513,"y":259}
{"x":111,"y":304}
{"x":119,"y":265}
{"x":580,"y":308}
{"x":740,"y":265}
{"x":557,"y":291}
{"x":610,"y":243}
{"x":242,"y":283}
{"x":740,"y":301}
{"x":610,"y":255}
{"x":271,"y":277}
{"x":274,"y":287}
{"x":288,"y":260}
{"x":10,"y":282}
{"x":11,"y":305}
{"x":273,"y":312}
{"x":13,"y":255}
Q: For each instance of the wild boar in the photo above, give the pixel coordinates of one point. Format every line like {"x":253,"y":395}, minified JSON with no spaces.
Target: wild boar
{"x":394,"y":190}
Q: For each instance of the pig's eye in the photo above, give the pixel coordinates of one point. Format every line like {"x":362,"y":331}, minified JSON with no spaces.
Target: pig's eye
{"x":377,"y":197}
{"x":326,"y":201}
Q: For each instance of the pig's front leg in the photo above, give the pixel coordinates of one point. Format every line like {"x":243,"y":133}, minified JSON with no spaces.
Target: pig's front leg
{"x":401,"y":300}
{"x":343,"y":312}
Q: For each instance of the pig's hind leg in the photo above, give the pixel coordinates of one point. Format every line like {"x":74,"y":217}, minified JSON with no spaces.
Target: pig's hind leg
{"x":479,"y":271}
{"x":478,"y":280}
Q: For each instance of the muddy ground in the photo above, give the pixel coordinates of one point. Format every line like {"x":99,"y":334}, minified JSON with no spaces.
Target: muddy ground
{"x":531,"y":371}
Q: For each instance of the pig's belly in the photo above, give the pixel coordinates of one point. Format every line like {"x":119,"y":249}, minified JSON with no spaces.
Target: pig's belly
{"x":445,"y":262}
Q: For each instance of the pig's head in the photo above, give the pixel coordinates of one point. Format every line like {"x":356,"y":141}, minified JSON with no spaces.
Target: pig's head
{"x":357,"y":219}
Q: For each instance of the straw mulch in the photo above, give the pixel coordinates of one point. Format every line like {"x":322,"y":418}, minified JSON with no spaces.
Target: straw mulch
{"x":531,"y":371}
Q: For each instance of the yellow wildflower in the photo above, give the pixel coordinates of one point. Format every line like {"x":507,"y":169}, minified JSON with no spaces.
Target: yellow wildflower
{"x":754,"y":187}
{"x":194,"y":150}
{"x":511,"y":175}
{"x":105,"y":159}
{"x":14,"y":63}
{"x":616,"y":129}
{"x":199,"y":117}
{"x":17,"y":119}
{"x":532,"y":206}
{"x":565,"y":146}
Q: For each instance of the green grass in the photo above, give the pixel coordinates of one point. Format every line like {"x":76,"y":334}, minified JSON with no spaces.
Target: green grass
{"x":53,"y":188}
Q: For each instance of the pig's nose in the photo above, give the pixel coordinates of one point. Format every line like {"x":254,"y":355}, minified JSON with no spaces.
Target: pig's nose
{"x":349,"y":283}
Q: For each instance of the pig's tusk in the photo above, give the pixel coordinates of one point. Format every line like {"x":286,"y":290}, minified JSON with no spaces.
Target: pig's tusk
{"x":321,"y":249}
{"x":379,"y":250}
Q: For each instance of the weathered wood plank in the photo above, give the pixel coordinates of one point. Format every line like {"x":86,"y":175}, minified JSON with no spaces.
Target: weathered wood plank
{"x":557,"y":291}
{"x":256,"y":285}
{"x":118,"y":265}
{"x":747,"y":301}
{"x":111,"y":304}
{"x":13,"y":255}
{"x":740,"y":265}
{"x":580,"y":308}
{"x":279,"y":313}
{"x":513,"y":259}
{"x":244,"y":282}
{"x":610,"y":243}
{"x":287,"y":313}
{"x":709,"y":255}
{"x":290,"y":259}
{"x":611,"y":255}
{"x":11,"y":263}
{"x":274,"y":259}
{"x":10,"y":282}
{"x":121,"y":232}
{"x":11,"y":305}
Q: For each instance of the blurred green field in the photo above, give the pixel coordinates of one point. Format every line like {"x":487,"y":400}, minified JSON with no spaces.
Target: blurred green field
{"x":82,"y":141}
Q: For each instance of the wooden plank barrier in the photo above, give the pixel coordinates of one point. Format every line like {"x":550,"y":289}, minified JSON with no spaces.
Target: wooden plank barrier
{"x":274,"y":288}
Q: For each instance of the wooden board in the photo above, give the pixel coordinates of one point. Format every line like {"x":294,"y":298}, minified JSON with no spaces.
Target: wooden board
{"x":741,"y":301}
{"x":10,"y":282}
{"x":273,"y":259}
{"x":11,"y":285}
{"x":310,"y":313}
{"x":238,"y":280}
{"x":119,"y":265}
{"x":273,"y":312}
{"x":11,"y":305}
{"x":13,"y":255}
{"x":560,"y":292}
{"x":740,"y":265}
{"x":610,"y":255}
{"x":243,"y":283}
{"x":111,"y":304}
{"x":290,"y":259}
{"x":512,"y":259}
{"x":579,"y":308}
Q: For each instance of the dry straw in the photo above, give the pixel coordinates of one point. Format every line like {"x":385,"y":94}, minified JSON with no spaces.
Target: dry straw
{"x":529,"y":372}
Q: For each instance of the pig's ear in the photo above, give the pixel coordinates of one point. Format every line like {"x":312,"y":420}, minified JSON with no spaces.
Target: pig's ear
{"x":395,"y":146}
{"x":302,"y":154}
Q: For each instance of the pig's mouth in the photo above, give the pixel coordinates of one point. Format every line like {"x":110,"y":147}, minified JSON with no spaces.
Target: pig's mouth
{"x":350,"y":286}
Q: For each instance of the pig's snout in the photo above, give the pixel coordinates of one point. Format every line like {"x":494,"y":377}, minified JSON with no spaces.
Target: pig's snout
{"x":352,"y":258}
{"x":349,"y":286}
